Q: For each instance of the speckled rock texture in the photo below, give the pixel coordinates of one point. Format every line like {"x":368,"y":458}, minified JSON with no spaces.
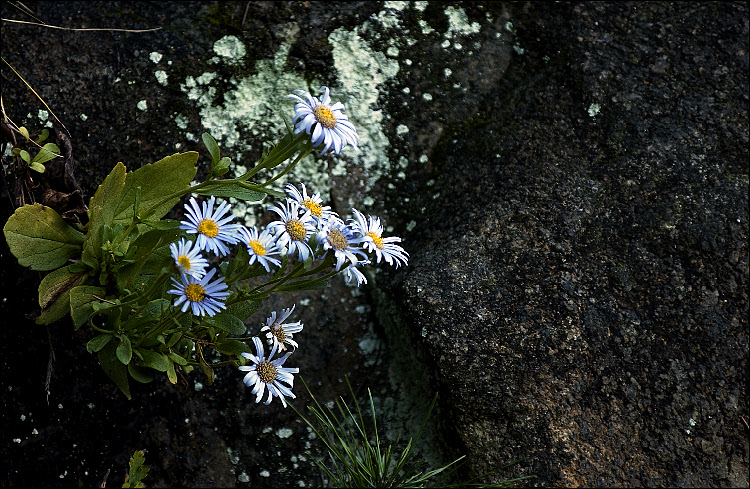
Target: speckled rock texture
{"x":578,"y":279}
{"x":570,"y":180}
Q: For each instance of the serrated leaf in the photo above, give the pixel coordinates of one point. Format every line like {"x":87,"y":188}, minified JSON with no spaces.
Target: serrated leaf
{"x":98,"y":342}
{"x":137,"y":471}
{"x":226,"y":322}
{"x":81,"y":303}
{"x":40,"y":238}
{"x":114,"y":368}
{"x":124,"y":350}
{"x":157,"y":180}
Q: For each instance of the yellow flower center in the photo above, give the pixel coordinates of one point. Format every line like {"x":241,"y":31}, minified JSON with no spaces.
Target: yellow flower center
{"x":337,"y":239}
{"x":316,"y":209}
{"x":376,"y":239}
{"x":209,"y":228}
{"x":184,"y":262}
{"x":296,"y":229}
{"x":325,"y":116}
{"x":278,"y":331}
{"x":195,"y":292}
{"x":258,"y":248}
{"x":266,"y":371}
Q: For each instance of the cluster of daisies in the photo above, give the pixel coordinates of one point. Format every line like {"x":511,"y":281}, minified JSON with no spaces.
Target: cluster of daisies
{"x":305,"y":229}
{"x":301,"y":217}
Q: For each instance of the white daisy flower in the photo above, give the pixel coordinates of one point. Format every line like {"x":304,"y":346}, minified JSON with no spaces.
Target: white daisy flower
{"x":313,"y":203}
{"x":203,"y":297}
{"x":188,"y":261}
{"x":352,"y":273}
{"x":265,"y":372}
{"x":261,"y":247}
{"x":384,"y":248}
{"x":339,"y":237}
{"x":293,"y":230}
{"x":212,"y":228}
{"x":325,"y":122}
{"x":280,"y":333}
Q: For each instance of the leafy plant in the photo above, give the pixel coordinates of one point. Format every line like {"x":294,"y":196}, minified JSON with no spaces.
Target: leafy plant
{"x":359,"y":458}
{"x":137,"y":471}
{"x":112,"y":272}
{"x":45,"y":153}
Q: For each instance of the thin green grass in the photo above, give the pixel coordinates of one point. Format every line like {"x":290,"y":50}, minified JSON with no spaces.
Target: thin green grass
{"x":359,"y":459}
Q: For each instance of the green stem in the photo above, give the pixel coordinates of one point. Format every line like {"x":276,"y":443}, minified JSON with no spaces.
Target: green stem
{"x":276,"y":281}
{"x":288,"y":168}
{"x":165,"y":322}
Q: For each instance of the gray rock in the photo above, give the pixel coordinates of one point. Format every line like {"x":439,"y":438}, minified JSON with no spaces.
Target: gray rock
{"x":579,"y":269}
{"x":571,"y":182}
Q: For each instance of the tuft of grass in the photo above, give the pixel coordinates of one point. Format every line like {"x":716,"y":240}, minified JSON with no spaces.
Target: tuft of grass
{"x":360,"y":459}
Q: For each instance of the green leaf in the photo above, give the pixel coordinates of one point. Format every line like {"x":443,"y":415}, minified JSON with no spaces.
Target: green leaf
{"x":157,"y":180}
{"x":222,"y":167}
{"x":177,"y":358}
{"x":114,"y":368}
{"x":40,"y":238}
{"x":212,"y":148}
{"x":303,"y":285}
{"x":54,"y":294}
{"x":232,"y":347}
{"x":56,"y":283}
{"x":37,"y":167}
{"x":243,"y":309}
{"x":174,"y":338}
{"x":149,"y":253}
{"x":24,"y":132}
{"x":82,"y":301}
{"x":233,"y":189}
{"x":226,"y":322}
{"x":171,"y":374}
{"x":152,"y":359}
{"x":46,"y":153}
{"x":154,"y":309}
{"x":124,"y":350}
{"x":98,"y":342}
{"x":207,"y":370}
{"x":101,"y":211}
{"x":140,"y":374}
{"x":25,"y":156}
{"x":137,"y":471}
{"x":164,"y":224}
{"x":43,"y":137}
